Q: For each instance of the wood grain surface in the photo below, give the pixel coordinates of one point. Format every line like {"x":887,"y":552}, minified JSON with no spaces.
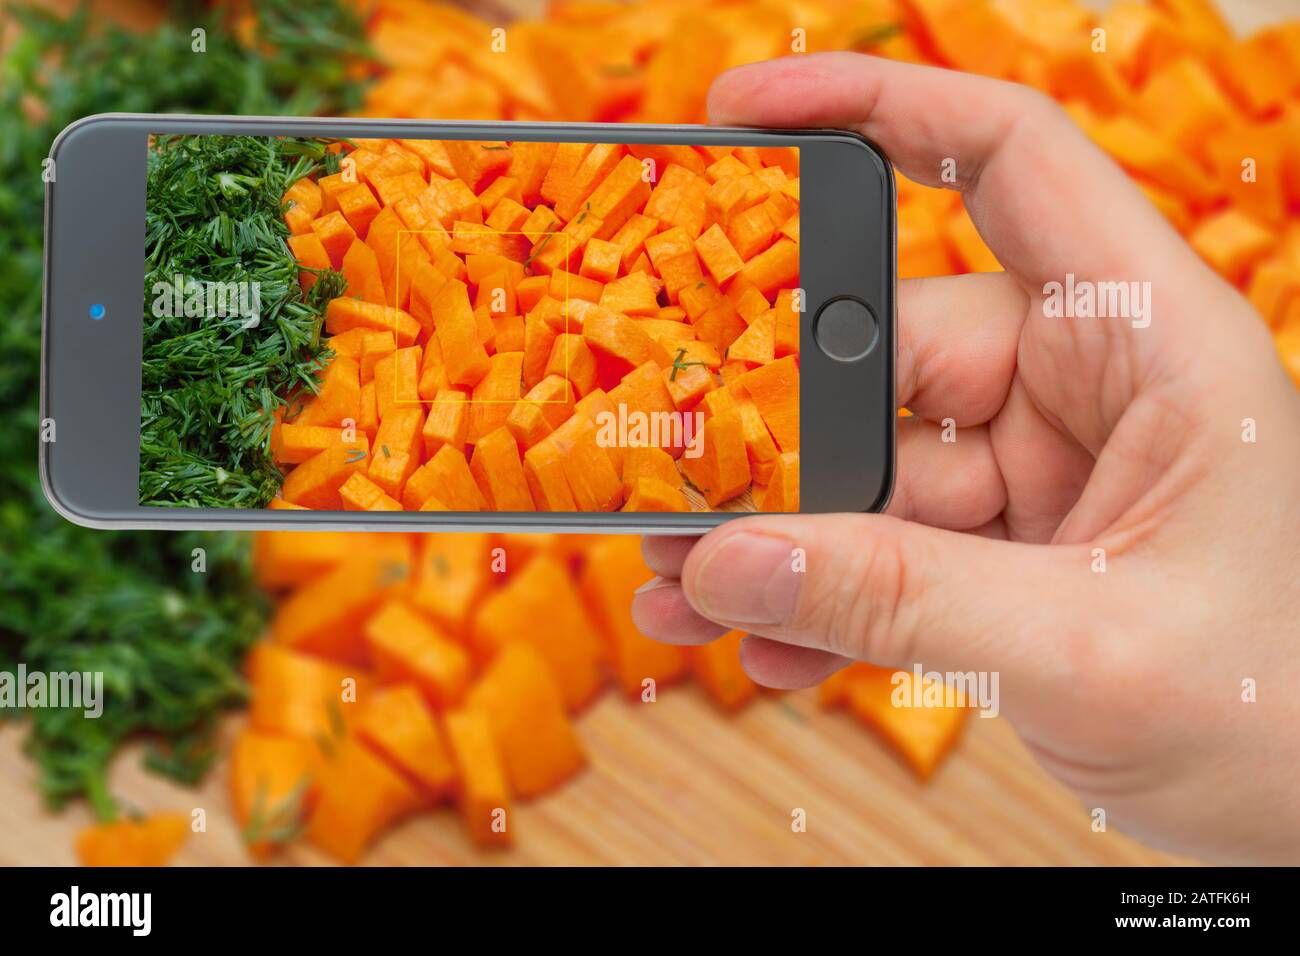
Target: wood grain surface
{"x":676,"y":782}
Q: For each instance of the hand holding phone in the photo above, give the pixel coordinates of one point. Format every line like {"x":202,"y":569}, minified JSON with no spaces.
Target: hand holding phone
{"x":1113,"y":531}
{"x":414,"y":325}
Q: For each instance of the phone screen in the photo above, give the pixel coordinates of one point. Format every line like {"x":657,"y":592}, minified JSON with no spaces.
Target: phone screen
{"x":455,"y":325}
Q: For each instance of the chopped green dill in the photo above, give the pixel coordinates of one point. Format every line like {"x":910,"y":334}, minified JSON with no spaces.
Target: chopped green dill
{"x":212,"y":384}
{"x":280,"y":823}
{"x":168,"y":641}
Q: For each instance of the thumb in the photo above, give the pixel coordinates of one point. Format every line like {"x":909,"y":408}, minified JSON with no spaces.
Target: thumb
{"x":875,"y":588}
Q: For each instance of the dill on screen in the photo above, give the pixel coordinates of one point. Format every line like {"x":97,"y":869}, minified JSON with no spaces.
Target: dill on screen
{"x":211,"y":383}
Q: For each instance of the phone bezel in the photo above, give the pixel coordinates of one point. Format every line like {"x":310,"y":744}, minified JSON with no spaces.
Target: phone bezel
{"x":91,"y":480}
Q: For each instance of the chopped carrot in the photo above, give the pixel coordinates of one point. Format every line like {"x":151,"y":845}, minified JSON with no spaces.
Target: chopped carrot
{"x":526,"y":710}
{"x":405,"y":646}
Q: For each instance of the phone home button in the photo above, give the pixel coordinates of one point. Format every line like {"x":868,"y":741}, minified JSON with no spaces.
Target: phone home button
{"x":845,"y":329}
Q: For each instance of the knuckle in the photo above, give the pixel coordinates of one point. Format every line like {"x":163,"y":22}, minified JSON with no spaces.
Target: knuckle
{"x":867,"y":609}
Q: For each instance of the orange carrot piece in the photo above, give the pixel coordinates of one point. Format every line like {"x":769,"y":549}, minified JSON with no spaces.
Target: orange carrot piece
{"x":593,"y":480}
{"x":336,"y":235}
{"x":359,"y":493}
{"x":1232,"y":242}
{"x":345,"y":313}
{"x":716,"y":665}
{"x":783,"y":490}
{"x":478,"y":163}
{"x":775,"y":390}
{"x":598,"y":163}
{"x":368,"y":419}
{"x":526,"y":710}
{"x":310,"y":252}
{"x":482,"y":790}
{"x":721,"y":472}
{"x":359,"y":207}
{"x":546,"y":405}
{"x":544,"y":472}
{"x":315,"y":483}
{"x":359,"y":796}
{"x":291,"y":558}
{"x":785,"y":337}
{"x":272,"y":785}
{"x":323,"y":617}
{"x":398,"y":725}
{"x":566,"y":287}
{"x":645,"y":461}
{"x":338,"y":400}
{"x":452,"y":574}
{"x":600,"y":260}
{"x":571,"y":358}
{"x":330,"y":188}
{"x":775,"y":268}
{"x":718,"y":254}
{"x":433,"y":374}
{"x":497,"y":468}
{"x":645,"y":391}
{"x":446,"y":477}
{"x":495,"y":395}
{"x":297,"y":443}
{"x":632,"y":295}
{"x":688,"y":385}
{"x":539,"y":339}
{"x":922,"y":735}
{"x":565,"y":160}
{"x":759,"y":444}
{"x":375,"y":347}
{"x":654,"y":495}
{"x":539,"y":606}
{"x":151,"y":841}
{"x":406,"y":646}
{"x":631,"y":237}
{"x":611,"y":573}
{"x":462,"y":351}
{"x":757,"y":344}
{"x":447,"y":422}
{"x":619,"y":345}
{"x":301,"y":695}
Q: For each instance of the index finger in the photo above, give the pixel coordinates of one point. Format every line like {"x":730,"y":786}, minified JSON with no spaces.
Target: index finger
{"x":1044,"y":198}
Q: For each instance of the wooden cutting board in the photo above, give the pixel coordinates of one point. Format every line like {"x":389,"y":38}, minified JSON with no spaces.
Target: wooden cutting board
{"x":676,"y":782}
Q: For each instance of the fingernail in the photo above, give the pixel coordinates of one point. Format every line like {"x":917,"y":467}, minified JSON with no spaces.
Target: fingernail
{"x":748,"y":579}
{"x":654,"y":584}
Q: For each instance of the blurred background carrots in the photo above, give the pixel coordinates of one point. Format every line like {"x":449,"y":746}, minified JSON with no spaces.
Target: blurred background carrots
{"x":1200,"y":104}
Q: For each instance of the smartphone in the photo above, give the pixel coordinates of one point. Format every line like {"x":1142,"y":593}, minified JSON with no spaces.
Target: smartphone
{"x":399,"y":325}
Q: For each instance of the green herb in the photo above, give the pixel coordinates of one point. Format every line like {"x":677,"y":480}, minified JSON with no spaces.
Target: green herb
{"x":169,"y":641}
{"x":280,"y":823}
{"x":212,"y":381}
{"x":494,"y":147}
{"x":876,"y":36}
{"x":679,"y":365}
{"x":392,"y":572}
{"x":538,"y":251}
